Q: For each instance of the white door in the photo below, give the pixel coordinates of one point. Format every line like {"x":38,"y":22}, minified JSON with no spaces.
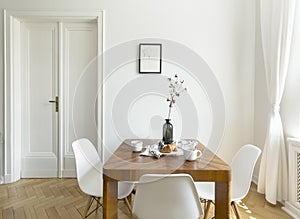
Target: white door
{"x":39,"y":58}
{"x":78,"y":89}
{"x":54,"y":56}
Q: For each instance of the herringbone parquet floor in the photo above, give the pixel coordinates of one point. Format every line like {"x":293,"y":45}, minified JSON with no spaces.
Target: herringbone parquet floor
{"x":62,"y":198}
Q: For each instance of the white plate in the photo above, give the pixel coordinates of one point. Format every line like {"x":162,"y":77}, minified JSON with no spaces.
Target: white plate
{"x":174,"y":153}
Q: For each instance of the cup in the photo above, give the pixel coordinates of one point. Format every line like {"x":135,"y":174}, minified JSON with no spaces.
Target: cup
{"x":191,"y":154}
{"x":137,"y":145}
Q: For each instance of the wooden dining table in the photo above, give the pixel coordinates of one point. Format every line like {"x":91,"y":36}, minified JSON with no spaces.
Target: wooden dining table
{"x":126,"y":165}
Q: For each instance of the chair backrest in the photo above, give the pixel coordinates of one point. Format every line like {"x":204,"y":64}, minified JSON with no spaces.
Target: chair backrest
{"x":163,"y":196}
{"x":242,"y":169}
{"x":88,"y":167}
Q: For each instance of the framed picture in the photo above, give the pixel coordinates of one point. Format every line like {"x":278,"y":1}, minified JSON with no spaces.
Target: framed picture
{"x":150,"y":58}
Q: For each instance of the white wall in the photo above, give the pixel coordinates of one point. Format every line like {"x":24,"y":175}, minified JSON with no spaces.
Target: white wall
{"x":1,"y":101}
{"x":221,"y":32}
{"x":290,"y":104}
{"x":261,"y":98}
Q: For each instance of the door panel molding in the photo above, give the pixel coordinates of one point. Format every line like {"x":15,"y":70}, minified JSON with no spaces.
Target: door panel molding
{"x":75,"y":31}
{"x":37,"y":151}
{"x":12,"y":80}
{"x":40,"y":154}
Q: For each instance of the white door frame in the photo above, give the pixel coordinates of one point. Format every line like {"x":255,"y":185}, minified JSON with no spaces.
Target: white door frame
{"x":12,"y":82}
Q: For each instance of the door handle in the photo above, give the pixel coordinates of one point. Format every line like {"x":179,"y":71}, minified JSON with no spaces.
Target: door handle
{"x":56,"y":103}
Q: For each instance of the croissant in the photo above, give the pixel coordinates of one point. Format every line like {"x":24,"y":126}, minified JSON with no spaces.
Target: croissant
{"x":169,"y":148}
{"x":166,"y":149}
{"x":173,"y":147}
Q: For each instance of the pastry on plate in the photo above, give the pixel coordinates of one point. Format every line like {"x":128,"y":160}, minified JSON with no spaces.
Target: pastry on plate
{"x":169,"y":148}
{"x":166,"y":149}
{"x":173,"y":146}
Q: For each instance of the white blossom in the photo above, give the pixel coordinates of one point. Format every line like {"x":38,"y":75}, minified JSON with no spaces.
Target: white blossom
{"x":175,"y":89}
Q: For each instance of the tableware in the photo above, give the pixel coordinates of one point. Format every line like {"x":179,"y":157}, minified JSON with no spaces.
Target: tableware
{"x":191,"y":154}
{"x":173,"y":153}
{"x":136,"y":145}
{"x":151,"y":151}
{"x":156,"y":147}
{"x":186,"y":144}
{"x":155,"y":153}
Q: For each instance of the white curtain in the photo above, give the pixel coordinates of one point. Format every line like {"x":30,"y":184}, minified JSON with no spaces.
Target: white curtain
{"x":277,"y":19}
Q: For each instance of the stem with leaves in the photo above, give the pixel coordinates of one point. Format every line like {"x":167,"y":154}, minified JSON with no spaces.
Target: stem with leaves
{"x":175,"y":89}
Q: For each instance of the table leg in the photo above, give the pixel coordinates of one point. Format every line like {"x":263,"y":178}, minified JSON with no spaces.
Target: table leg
{"x":110,"y":198}
{"x":222,"y":200}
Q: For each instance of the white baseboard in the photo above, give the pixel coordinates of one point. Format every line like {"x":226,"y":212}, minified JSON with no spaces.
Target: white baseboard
{"x":255,"y":179}
{"x":39,"y":174}
{"x":48,"y":174}
{"x":8,"y":178}
{"x":69,"y":173}
{"x":291,"y":210}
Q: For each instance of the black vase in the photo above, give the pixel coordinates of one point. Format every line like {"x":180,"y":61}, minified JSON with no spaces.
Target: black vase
{"x":168,"y":132}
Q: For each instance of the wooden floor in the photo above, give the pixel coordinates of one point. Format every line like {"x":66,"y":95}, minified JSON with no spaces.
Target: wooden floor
{"x":62,"y":198}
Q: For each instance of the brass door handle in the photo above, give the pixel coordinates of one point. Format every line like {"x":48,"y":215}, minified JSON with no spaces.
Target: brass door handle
{"x":56,"y":103}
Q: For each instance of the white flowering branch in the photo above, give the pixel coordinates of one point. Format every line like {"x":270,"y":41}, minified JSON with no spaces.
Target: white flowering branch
{"x":175,"y":89}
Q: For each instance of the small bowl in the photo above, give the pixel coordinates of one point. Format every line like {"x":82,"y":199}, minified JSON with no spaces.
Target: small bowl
{"x":136,"y":145}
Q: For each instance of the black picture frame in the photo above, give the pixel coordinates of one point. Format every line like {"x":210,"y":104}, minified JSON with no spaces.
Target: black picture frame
{"x":150,"y":58}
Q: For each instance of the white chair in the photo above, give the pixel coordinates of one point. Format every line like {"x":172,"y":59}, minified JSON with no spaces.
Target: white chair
{"x":89,"y":174}
{"x":162,"y":196}
{"x":242,"y":169}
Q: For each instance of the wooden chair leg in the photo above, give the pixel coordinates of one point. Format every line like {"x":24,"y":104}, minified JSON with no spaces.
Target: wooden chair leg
{"x":128,"y":204}
{"x":129,"y":198}
{"x":98,"y":204}
{"x":232,"y":212}
{"x":89,"y":203}
{"x":235,"y":210}
{"x":207,"y":209}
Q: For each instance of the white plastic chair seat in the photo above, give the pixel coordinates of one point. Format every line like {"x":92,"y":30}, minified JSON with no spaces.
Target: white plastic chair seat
{"x":163,"y":196}
{"x":207,"y":190}
{"x":89,"y":172}
{"x":91,"y":184}
{"x":242,"y":169}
